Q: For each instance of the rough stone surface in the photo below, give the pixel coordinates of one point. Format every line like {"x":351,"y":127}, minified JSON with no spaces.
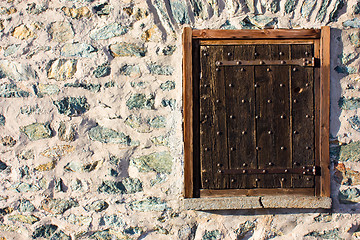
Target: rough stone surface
{"x":61,"y":69}
{"x":149,"y":204}
{"x":76,"y":13}
{"x":97,"y":206}
{"x":58,"y":206}
{"x":160,"y":162}
{"x":78,"y":50}
{"x":87,"y":86}
{"x":66,"y":132}
{"x":107,"y":135}
{"x":350,"y":152}
{"x":346,"y":176}
{"x":29,"y":219}
{"x":355,"y":123}
{"x":128,"y":185}
{"x":61,"y":31}
{"x":17,"y":71}
{"x":160,"y":69}
{"x":127,"y":49}
{"x":42,"y":90}
{"x":167,"y":86}
{"x":37,"y":131}
{"x":57,"y":152}
{"x":2,"y":120}
{"x":102,"y":70}
{"x":71,"y":106}
{"x":141,"y":101}
{"x":44,"y":231}
{"x":11,"y":90}
{"x":130,"y":70}
{"x":108,"y":31}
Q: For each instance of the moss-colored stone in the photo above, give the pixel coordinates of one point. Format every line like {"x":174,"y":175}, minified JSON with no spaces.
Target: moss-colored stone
{"x":46,"y":167}
{"x":160,"y":162}
{"x":97,"y":206}
{"x":112,"y":220}
{"x":102,"y":71}
{"x":58,"y":206}
{"x":307,"y":7}
{"x":126,"y":186}
{"x":157,"y":122}
{"x":37,"y":131}
{"x":66,"y":132}
{"x":212,"y":235}
{"x":60,"y":235}
{"x":167,"y":86}
{"x":244,"y":229}
{"x":107,"y":135}
{"x":160,"y":141}
{"x":61,"y":69}
{"x":156,"y":69}
{"x":78,"y":50}
{"x":2,"y":120}
{"x":138,"y":123}
{"x":44,"y":231}
{"x":149,"y":204}
{"x":87,"y":86}
{"x":26,"y":206}
{"x":72,"y":106}
{"x":61,"y":31}
{"x":349,"y":103}
{"x":180,"y":11}
{"x":290,"y":6}
{"x":11,"y":90}
{"x":141,"y":101}
{"x":77,"y":13}
{"x":108,"y":31}
{"x":349,"y":196}
{"x":29,"y":219}
{"x":45,"y":89}
{"x":354,"y":122}
{"x":57,"y":152}
{"x":350,"y":152}
{"x":127,"y":50}
{"x":103,"y":9}
{"x":130,"y":70}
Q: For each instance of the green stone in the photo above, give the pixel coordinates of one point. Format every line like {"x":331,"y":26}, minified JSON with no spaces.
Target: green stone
{"x":58,"y":206}
{"x":169,"y":103}
{"x":102,"y":235}
{"x":167,"y":86}
{"x":141,"y":101}
{"x":76,"y":185}
{"x":103,"y":9}
{"x":37,"y":131}
{"x":347,"y":57}
{"x":87,"y":86}
{"x":108,"y":31}
{"x":2,"y":120}
{"x":97,"y":206}
{"x":72,"y":106}
{"x":353,"y":23}
{"x":29,"y":219}
{"x":33,"y":8}
{"x":349,"y":103}
{"x":44,"y":231}
{"x":355,"y":39}
{"x":112,"y":221}
{"x":326,"y":234}
{"x":149,"y":204}
{"x":17,"y":71}
{"x":10,"y":90}
{"x":41,"y":90}
{"x":350,"y":152}
{"x":160,"y":141}
{"x":244,"y":229}
{"x":169,"y":50}
{"x":107,"y":135}
{"x":126,"y":186}
{"x":290,"y":6}
{"x":60,"y":235}
{"x":11,"y":49}
{"x":180,"y":11}
{"x":78,"y":50}
{"x":138,"y":123}
{"x":212,"y":235}
{"x":27,"y":109}
{"x":156,"y":69}
{"x":132,"y":185}
{"x":259,"y":22}
{"x":130,"y":70}
{"x":307,"y":8}
{"x":127,"y":50}
{"x":354,"y":122}
{"x":322,"y":12}
{"x":160,"y":162}
{"x":26,"y":206}
{"x":227,"y":25}
{"x":102,"y":71}
{"x":157,"y":122}
{"x":339,"y":4}
{"x":324,"y":217}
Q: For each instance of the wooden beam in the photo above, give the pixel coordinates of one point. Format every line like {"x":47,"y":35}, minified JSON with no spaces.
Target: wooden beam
{"x":188,"y":112}
{"x":257,"y":34}
{"x":325,"y":110}
{"x":256,"y":192}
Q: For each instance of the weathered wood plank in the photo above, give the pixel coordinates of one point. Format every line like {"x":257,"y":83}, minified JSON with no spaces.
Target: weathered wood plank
{"x":255,"y":41}
{"x":256,"y":192}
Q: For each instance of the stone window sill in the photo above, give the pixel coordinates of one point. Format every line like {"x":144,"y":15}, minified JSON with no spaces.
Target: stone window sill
{"x":256,"y":202}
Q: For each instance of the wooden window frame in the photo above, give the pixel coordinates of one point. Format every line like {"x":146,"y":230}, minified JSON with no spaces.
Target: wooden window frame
{"x":321,"y":39}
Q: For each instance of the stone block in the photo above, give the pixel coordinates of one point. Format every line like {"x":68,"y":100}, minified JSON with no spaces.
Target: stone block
{"x":88,"y":86}
{"x":29,"y":219}
{"x":107,"y":135}
{"x":160,"y":162}
{"x":77,"y":13}
{"x":61,"y":69}
{"x":97,"y":206}
{"x":37,"y":131}
{"x":17,"y":71}
{"x":57,"y":152}
{"x":156,"y":69}
{"x":102,"y":71}
{"x":78,"y":50}
{"x":108,"y":31}
{"x":61,"y":31}
{"x":149,"y":204}
{"x":72,"y":106}
{"x":44,"y":231}
{"x":58,"y":206}
{"x":141,"y":101}
{"x":127,"y":50}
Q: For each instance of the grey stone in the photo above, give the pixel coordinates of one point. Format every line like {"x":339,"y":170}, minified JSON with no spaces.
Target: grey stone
{"x":130,"y":70}
{"x":273,"y":6}
{"x":198,"y":8}
{"x":112,"y":221}
{"x":90,"y":166}
{"x":168,"y":50}
{"x":76,"y":185}
{"x":355,"y":39}
{"x":109,"y":84}
{"x":211,"y":235}
{"x":156,"y":69}
{"x":44,"y":231}
{"x":17,"y":71}
{"x":107,"y":135}
{"x":108,"y":31}
{"x":139,"y":84}
{"x":58,"y":206}
{"x":37,"y":131}
{"x":102,"y":235}
{"x":160,"y":162}
{"x":290,"y":6}
{"x":259,"y":22}
{"x":134,"y":230}
{"x":102,"y":71}
{"x":61,"y":31}
{"x":227,"y":25}
{"x":29,"y":219}
{"x":2,"y":120}
{"x":187,"y":232}
{"x":76,"y":13}
{"x":102,"y":9}
{"x":157,"y":122}
{"x":138,"y":123}
{"x":160,"y":141}
{"x":354,"y":122}
{"x":353,"y":23}
{"x":169,"y":103}
{"x":59,"y":185}
{"x":33,"y":8}
{"x":326,"y":234}
{"x":339,"y":4}
{"x":66,"y":132}
{"x":87,"y":86}
{"x":61,"y":69}
{"x":160,"y":178}
{"x":323,"y":9}
{"x":60,"y":235}
{"x":250,"y":5}
{"x":349,"y":103}
{"x":24,"y":171}
{"x":347,"y":57}
{"x":78,"y":50}
{"x":167,"y":86}
{"x":26,"y":206}
{"x":11,"y":49}
{"x":25,"y":154}
{"x":324,"y":217}
{"x":126,"y":186}
{"x":345,"y":70}
{"x":149,"y":204}
{"x":79,"y":220}
{"x":357,"y":8}
{"x":73,"y":166}
{"x":114,"y":160}
{"x":97,"y":206}
{"x":28,"y":109}
{"x":307,"y":7}
{"x":141,"y":101}
{"x":41,"y":90}
{"x":72,"y":106}
{"x":244,"y":229}
{"x":127,"y":50}
{"x":163,"y":15}
{"x":23,"y":187}
{"x":8,"y":141}
{"x":180,"y":11}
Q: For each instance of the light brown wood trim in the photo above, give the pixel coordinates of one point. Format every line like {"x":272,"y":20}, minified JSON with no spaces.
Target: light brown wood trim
{"x":257,"y":192}
{"x":188,"y":112}
{"x":256,"y":34}
{"x":317,"y":115}
{"x":252,"y":42}
{"x":325,"y":111}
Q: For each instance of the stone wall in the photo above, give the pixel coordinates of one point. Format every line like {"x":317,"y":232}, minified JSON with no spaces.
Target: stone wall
{"x":91,"y":119}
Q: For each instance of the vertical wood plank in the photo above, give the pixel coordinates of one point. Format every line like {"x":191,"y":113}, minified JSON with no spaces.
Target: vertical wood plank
{"x":325,"y":111}
{"x":240,"y":109}
{"x":302,"y":90}
{"x":188,"y":112}
{"x":317,"y":115}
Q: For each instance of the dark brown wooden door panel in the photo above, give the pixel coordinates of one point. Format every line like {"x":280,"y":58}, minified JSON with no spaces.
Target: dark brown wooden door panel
{"x":257,"y":116}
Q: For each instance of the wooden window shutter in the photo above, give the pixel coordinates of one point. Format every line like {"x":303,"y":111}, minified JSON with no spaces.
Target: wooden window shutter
{"x":256,"y":108}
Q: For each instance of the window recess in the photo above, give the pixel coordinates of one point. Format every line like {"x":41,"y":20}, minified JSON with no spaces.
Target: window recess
{"x":256,"y":112}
